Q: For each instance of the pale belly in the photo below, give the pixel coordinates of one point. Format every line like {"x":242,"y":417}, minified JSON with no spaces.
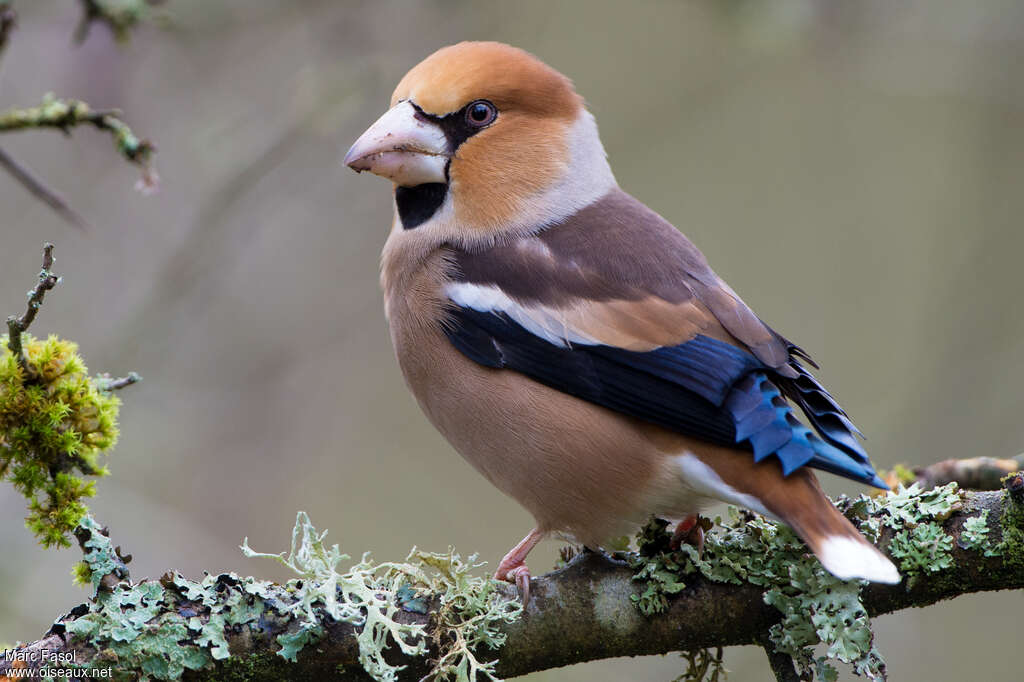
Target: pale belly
{"x":578,"y":468}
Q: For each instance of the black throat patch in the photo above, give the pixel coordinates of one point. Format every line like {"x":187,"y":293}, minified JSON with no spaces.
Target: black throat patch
{"x":417,"y":204}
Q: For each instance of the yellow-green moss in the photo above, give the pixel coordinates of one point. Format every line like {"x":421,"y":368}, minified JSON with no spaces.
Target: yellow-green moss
{"x":55,"y":422}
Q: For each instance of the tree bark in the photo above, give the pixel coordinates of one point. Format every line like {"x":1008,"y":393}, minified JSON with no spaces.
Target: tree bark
{"x":583,"y":612}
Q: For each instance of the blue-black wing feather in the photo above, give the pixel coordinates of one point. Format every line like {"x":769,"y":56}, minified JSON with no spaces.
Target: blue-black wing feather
{"x":703,"y":388}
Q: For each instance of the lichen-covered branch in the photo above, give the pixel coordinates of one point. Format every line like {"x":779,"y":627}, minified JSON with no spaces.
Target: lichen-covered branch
{"x":584,"y":611}
{"x":120,"y":16}
{"x":65,"y":114}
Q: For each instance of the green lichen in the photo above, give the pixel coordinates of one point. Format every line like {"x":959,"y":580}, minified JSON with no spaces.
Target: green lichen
{"x":975,"y":535}
{"x":158,"y":628}
{"x":100,"y":560}
{"x":369,"y":596}
{"x":161,"y":629}
{"x":55,"y":422}
{"x":661,"y":576}
{"x":975,"y":531}
{"x":816,"y":607}
{"x":922,"y":550}
{"x":919,"y":543}
{"x":1011,"y":547}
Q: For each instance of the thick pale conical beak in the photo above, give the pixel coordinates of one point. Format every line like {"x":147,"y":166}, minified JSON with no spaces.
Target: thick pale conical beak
{"x":401,"y":147}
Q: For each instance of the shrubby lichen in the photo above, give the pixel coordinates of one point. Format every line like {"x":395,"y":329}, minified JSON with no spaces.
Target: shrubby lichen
{"x":165,"y":627}
{"x":817,"y":608}
{"x":467,"y":614}
{"x":55,"y":421}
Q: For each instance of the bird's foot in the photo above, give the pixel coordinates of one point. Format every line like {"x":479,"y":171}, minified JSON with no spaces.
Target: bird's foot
{"x":518,"y":575}
{"x":691,"y":531}
{"x":513,"y":567}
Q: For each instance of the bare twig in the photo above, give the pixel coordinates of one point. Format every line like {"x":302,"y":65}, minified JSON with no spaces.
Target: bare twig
{"x":41,"y":191}
{"x":16,"y":326}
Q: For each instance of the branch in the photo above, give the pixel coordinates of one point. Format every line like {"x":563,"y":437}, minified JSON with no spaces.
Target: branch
{"x":107,"y":383}
{"x":65,"y":114}
{"x":781,"y":664}
{"x":120,"y":17}
{"x":16,"y":326}
{"x":8,"y":20}
{"x":977,"y":473}
{"x":39,"y":189}
{"x":582,"y":612}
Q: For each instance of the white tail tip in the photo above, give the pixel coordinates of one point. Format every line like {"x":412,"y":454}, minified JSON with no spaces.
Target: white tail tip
{"x":847,"y":558}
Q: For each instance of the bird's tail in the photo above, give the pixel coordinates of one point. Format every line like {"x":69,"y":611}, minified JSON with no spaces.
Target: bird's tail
{"x":840,"y":547}
{"x":798,"y":501}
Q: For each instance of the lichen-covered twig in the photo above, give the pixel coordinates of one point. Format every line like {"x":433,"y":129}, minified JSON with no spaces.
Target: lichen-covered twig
{"x":121,"y":17}
{"x":584,"y":611}
{"x":781,"y":664}
{"x":104,"y":565}
{"x":16,"y":326}
{"x":106,"y":383}
{"x":65,"y":114}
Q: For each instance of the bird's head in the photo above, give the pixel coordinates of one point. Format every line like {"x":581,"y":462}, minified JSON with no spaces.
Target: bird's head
{"x":483,"y":139}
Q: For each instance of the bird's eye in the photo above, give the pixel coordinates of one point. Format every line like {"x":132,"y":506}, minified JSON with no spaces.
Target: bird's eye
{"x":480,"y":113}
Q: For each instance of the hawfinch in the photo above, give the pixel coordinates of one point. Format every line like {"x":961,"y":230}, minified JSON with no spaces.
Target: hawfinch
{"x":573,"y":345}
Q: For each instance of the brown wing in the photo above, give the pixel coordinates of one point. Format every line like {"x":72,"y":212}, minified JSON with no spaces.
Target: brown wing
{"x":619,"y":274}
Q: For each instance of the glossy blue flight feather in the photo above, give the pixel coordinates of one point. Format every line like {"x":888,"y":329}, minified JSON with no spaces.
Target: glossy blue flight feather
{"x":703,"y":388}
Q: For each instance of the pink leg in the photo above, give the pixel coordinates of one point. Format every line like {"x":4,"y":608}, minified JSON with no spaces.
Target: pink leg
{"x":513,"y":568}
{"x":691,"y":531}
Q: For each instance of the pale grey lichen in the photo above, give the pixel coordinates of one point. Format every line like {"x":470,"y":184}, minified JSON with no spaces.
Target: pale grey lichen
{"x":469,"y":609}
{"x":817,"y":608}
{"x":160,"y":629}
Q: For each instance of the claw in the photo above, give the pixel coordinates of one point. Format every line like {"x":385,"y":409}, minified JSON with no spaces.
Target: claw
{"x":513,"y":568}
{"x":520,"y":575}
{"x":691,"y":531}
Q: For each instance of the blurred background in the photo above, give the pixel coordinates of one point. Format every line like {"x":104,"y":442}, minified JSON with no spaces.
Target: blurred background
{"x":854,"y":170}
